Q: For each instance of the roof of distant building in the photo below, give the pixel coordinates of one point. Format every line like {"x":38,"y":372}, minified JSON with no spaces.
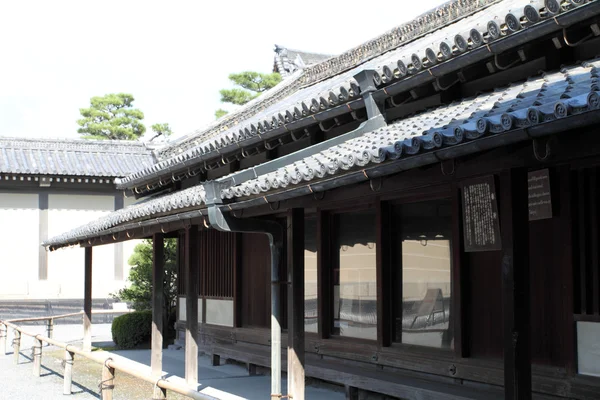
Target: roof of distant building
{"x":73,"y":157}
{"x":287,"y":61}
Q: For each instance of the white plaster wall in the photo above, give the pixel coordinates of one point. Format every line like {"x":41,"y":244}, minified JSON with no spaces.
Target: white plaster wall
{"x":588,"y":348}
{"x":66,"y":266}
{"x":182,"y":314}
{"x":19,"y":237}
{"x":219,"y":312}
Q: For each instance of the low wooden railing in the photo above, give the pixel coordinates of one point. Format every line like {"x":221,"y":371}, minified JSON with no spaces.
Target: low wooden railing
{"x":109,"y":366}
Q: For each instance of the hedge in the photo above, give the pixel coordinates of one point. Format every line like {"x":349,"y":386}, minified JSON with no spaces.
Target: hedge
{"x":133,"y":329}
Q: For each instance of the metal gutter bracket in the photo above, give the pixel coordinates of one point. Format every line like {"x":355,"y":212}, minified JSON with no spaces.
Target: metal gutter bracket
{"x":274,"y":231}
{"x":374,"y":101}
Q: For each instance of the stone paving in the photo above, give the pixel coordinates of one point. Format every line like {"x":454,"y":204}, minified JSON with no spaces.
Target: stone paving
{"x":227,"y":382}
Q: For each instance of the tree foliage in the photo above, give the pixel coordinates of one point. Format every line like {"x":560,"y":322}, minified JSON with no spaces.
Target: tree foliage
{"x":220,"y":112}
{"x":161,"y":130}
{"x":139,"y":293}
{"x":111,"y":117}
{"x":251,"y":85}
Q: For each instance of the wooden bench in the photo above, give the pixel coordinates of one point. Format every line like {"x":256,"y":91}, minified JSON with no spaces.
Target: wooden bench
{"x":353,"y":377}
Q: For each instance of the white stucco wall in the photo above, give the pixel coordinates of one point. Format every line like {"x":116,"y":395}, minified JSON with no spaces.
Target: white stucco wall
{"x":66,"y":266}
{"x":19,"y":236}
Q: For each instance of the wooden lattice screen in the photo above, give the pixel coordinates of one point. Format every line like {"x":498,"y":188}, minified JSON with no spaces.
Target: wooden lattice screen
{"x":217,"y":253}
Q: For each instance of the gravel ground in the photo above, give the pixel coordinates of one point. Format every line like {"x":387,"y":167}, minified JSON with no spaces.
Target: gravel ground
{"x":226,"y":382}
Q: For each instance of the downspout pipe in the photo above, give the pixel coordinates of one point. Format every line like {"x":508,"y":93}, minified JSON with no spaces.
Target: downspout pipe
{"x":226,"y":222}
{"x":274,"y":231}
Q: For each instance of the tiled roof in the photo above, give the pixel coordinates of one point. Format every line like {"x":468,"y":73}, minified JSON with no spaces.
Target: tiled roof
{"x":106,"y":158}
{"x":329,"y":84}
{"x":288,"y":61}
{"x":571,"y":91}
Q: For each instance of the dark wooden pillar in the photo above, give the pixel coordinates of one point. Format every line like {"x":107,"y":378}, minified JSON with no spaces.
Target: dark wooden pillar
{"x":192,"y":261}
{"x":324,"y":287}
{"x":237,"y":281}
{"x":295,"y":271}
{"x":458,"y":322}
{"x":158,"y":271}
{"x":514,"y":216}
{"x":87,"y":301}
{"x":384,"y":275}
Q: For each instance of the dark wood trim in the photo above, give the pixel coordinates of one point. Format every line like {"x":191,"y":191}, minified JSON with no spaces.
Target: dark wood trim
{"x":581,"y":198}
{"x":383,"y":249}
{"x":87,"y":300}
{"x":119,"y":203}
{"x":43,"y":235}
{"x":566,"y":196}
{"x":514,"y":216}
{"x":593,"y":200}
{"x":459,"y":279}
{"x":324,"y":273}
{"x":295,"y":272}
{"x":586,"y":318}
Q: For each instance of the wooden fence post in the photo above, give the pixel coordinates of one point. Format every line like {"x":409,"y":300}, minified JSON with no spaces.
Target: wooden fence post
{"x":3,"y":332}
{"x":69,"y":359}
{"x":37,"y":356}
{"x":108,"y":381}
{"x":16,"y":346}
{"x":50,"y":329}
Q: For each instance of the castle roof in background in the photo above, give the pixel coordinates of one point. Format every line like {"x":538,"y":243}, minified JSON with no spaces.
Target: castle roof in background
{"x":288,"y":61}
{"x":73,"y":157}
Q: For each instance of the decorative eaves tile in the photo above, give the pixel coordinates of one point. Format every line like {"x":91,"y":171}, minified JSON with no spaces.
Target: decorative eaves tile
{"x":556,"y":95}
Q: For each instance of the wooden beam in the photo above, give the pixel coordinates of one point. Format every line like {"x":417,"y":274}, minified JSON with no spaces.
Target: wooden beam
{"x":295,"y":271}
{"x":514,"y":214}
{"x":384,"y":275}
{"x":87,"y":301}
{"x":459,"y":282}
{"x":323,"y":274}
{"x":565,"y":192}
{"x":158,"y":268}
{"x":192,"y":263}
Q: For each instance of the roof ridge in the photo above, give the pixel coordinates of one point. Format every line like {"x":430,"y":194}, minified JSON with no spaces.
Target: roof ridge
{"x":77,"y":145}
{"x":431,"y":20}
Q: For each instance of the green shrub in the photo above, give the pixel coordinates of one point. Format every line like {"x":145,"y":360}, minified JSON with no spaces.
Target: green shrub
{"x":131,"y":330}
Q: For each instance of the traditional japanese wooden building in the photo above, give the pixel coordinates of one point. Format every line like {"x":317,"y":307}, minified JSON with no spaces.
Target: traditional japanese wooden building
{"x":51,"y":185}
{"x":416,"y":217}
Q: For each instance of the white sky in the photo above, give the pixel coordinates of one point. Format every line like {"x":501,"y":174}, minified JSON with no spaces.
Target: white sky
{"x":173,"y":56}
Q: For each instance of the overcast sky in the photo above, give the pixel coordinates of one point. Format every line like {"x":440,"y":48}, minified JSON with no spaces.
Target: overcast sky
{"x":173,"y":56}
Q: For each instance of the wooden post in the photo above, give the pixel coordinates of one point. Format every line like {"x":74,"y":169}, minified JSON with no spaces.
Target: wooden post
{"x":37,"y":356}
{"x":50,"y":328}
{"x":87,"y":301}
{"x":3,"y":332}
{"x":324,"y":287}
{"x":108,"y":381}
{"x":158,"y":265}
{"x":384,"y":275}
{"x":295,"y":270}
{"x":192,"y":261}
{"x":16,"y":346}
{"x":69,"y":359}
{"x":515,"y":284}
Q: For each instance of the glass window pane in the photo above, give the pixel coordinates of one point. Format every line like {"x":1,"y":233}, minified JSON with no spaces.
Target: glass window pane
{"x":423,"y":238}
{"x":354,"y":276}
{"x":310,"y":275}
